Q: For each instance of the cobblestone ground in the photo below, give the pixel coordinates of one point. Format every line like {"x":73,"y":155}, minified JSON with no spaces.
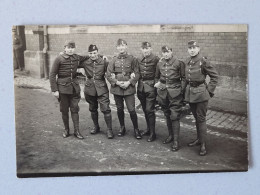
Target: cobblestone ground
{"x":41,"y":149}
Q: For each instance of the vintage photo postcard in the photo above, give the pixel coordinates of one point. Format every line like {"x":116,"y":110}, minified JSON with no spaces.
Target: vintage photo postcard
{"x":130,"y":99}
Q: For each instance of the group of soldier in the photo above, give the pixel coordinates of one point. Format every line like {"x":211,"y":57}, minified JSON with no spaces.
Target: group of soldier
{"x":167,"y":80}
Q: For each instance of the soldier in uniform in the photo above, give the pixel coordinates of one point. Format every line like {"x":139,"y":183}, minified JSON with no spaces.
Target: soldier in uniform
{"x":146,"y":92}
{"x":17,"y":50}
{"x":66,"y":87}
{"x":96,"y":90}
{"x":170,"y":74}
{"x":123,"y":86}
{"x":198,"y":92}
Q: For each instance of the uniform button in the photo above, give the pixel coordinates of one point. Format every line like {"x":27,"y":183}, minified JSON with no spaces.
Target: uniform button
{"x":189,"y":70}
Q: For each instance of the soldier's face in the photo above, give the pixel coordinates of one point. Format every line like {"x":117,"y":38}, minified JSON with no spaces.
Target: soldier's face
{"x":193,"y":51}
{"x":69,"y":50}
{"x":93,"y":55}
{"x":146,"y":51}
{"x":167,"y":55}
{"x":121,"y":48}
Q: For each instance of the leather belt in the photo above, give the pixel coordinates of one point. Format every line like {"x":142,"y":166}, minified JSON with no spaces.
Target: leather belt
{"x":195,"y":83}
{"x":170,"y":81}
{"x":65,"y":77}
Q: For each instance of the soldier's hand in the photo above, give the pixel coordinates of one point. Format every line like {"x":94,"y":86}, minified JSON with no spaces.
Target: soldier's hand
{"x":120,"y":83}
{"x":56,"y":94}
{"x":126,"y":84}
{"x":113,"y":76}
{"x":156,"y":85}
{"x":105,"y":58}
{"x":132,"y":75}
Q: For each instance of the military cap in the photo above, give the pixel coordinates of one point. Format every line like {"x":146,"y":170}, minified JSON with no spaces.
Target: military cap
{"x":166,"y":49}
{"x":92,"y":48}
{"x":146,"y":45}
{"x":121,"y":42}
{"x":70,"y":44}
{"x":193,"y":43}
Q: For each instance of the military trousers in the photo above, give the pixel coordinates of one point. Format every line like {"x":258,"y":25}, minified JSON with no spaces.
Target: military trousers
{"x":102,"y":100}
{"x":17,"y":58}
{"x":129,"y":100}
{"x":147,"y":100}
{"x":171,"y":102}
{"x":69,"y":101}
{"x":199,"y":111}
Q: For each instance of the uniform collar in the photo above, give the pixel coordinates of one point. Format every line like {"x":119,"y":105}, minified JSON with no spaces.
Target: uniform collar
{"x":90,"y":61}
{"x":67,"y":56}
{"x":148,"y":58}
{"x":170,"y":61}
{"x":98,"y":60}
{"x":122,"y":55}
{"x":195,"y":58}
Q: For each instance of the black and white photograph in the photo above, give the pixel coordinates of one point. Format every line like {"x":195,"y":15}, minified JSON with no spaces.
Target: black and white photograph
{"x":95,"y":100}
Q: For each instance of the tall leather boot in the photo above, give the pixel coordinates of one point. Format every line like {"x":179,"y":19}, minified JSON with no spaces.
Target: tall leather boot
{"x":147,"y":132}
{"x":108,"y":119}
{"x":152,"y":136}
{"x":176,"y":133}
{"x":203,"y":135}
{"x":196,"y":142}
{"x":96,"y":129}
{"x":75,"y":119}
{"x":65,"y":118}
{"x":169,"y":139}
{"x":121,"y":118}
{"x":133,"y":117}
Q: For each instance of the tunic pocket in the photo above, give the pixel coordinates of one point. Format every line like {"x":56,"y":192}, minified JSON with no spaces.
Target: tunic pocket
{"x":199,"y":89}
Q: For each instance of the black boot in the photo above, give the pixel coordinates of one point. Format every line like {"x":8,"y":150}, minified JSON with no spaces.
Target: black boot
{"x":169,"y":139}
{"x":121,"y":118}
{"x":196,"y":142}
{"x":133,"y":117}
{"x":152,"y":136}
{"x":203,"y":135}
{"x":75,"y":119}
{"x":96,"y":129}
{"x":147,"y":132}
{"x":108,"y":119}
{"x":176,"y":133}
{"x":65,"y":118}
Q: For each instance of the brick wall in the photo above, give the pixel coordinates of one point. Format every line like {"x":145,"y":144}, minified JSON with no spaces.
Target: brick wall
{"x":225,"y":48}
{"x":219,"y":47}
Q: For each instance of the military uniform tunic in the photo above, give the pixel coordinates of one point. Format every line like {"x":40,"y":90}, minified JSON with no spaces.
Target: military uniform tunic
{"x":146,"y":91}
{"x":96,"y":89}
{"x":122,"y":66}
{"x":169,"y":95}
{"x":65,"y":67}
{"x":198,"y":92}
{"x":197,"y":68}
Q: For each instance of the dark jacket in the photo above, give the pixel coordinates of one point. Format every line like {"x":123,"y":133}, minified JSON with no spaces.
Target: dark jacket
{"x":197,"y":90}
{"x":122,"y":66}
{"x":147,"y":68}
{"x":65,"y":68}
{"x":171,"y":74}
{"x":95,"y":72}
